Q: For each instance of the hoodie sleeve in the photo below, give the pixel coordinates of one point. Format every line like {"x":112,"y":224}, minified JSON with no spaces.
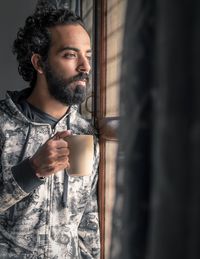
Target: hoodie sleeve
{"x":25,"y":176}
{"x":15,"y":182}
{"x":10,"y":191}
{"x":88,"y":231}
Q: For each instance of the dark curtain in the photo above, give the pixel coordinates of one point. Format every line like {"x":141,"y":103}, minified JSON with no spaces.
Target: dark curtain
{"x":157,"y":209}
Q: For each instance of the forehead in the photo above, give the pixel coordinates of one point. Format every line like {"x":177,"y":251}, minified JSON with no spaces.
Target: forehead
{"x":70,"y":36}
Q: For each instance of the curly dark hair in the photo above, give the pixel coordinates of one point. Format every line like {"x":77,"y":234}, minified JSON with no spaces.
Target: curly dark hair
{"x":35,"y":37}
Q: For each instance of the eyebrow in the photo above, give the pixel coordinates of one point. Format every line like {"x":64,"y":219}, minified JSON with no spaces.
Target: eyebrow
{"x":72,"y":48}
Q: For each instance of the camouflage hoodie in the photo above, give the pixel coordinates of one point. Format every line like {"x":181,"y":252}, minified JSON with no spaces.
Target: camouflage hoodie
{"x":52,"y":218}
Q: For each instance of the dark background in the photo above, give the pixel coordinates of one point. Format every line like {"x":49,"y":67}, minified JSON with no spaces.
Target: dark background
{"x":12,"y":16}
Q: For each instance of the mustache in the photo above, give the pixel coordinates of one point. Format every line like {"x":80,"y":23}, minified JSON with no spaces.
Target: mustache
{"x":80,"y":77}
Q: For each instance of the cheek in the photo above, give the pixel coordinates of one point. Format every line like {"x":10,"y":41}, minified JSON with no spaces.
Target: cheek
{"x":67,"y":66}
{"x":66,"y":72}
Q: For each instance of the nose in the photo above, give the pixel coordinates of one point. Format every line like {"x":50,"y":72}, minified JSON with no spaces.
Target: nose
{"x":84,"y":65}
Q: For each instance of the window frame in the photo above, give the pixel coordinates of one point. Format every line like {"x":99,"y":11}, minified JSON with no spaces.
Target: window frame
{"x":107,"y":126}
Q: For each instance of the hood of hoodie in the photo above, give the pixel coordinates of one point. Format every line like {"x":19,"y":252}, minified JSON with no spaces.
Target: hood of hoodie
{"x":9,"y":105}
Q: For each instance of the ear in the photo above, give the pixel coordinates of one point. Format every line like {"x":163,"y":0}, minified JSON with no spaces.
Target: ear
{"x":37,"y":63}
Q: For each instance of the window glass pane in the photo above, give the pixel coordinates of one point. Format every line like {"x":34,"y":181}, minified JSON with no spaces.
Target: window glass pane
{"x":87,"y":16}
{"x":115,"y":21}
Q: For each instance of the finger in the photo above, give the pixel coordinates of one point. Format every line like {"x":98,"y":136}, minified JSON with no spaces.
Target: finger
{"x":54,"y":144}
{"x":62,"y":157}
{"x":59,"y":154}
{"x":64,"y":134}
{"x":55,"y":167}
{"x":61,"y":145}
{"x":61,"y":134}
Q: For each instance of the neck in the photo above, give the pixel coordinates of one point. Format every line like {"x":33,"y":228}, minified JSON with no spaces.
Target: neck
{"x":42,"y":100}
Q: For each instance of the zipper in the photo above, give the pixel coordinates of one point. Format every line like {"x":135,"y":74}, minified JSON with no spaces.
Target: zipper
{"x":50,"y":202}
{"x":50,"y":197}
{"x":49,"y":206}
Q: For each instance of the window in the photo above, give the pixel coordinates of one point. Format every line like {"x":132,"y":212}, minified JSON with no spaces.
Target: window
{"x":109,"y":21}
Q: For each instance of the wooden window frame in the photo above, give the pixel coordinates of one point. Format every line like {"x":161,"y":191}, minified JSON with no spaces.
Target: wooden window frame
{"x":107,"y":125}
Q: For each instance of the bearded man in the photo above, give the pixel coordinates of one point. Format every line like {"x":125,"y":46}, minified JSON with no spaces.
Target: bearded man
{"x":45,"y":212}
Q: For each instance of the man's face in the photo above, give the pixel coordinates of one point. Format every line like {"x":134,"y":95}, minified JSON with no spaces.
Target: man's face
{"x":68,"y":64}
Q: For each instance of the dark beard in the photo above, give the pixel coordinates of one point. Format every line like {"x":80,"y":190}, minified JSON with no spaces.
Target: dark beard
{"x":61,"y":90}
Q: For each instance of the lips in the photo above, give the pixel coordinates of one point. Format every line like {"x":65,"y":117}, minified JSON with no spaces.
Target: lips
{"x":82,"y":77}
{"x":81,"y":82}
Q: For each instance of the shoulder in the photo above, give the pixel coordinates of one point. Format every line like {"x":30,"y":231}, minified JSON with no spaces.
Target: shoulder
{"x":7,"y":107}
{"x":3,"y":106}
{"x":5,"y":113}
{"x":80,"y":125}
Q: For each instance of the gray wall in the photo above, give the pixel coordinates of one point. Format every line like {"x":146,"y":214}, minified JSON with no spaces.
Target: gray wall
{"x":12,"y":16}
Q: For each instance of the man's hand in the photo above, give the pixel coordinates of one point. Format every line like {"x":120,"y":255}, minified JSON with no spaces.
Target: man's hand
{"x":53,"y":156}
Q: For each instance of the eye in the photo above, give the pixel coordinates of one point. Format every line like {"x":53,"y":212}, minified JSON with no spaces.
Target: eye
{"x":89,"y":57}
{"x":70,"y":55}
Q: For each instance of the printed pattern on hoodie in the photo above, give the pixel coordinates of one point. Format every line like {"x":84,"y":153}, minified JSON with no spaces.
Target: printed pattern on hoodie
{"x":36,"y":225}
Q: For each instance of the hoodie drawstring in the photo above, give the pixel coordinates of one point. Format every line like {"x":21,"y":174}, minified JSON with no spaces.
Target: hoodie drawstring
{"x":65,"y":190}
{"x":66,"y":177}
